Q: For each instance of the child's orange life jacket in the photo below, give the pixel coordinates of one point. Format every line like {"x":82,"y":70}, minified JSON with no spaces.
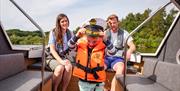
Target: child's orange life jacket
{"x":91,"y":69}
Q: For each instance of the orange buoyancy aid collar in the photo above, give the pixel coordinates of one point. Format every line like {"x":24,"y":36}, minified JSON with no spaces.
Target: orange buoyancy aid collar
{"x":92,"y":69}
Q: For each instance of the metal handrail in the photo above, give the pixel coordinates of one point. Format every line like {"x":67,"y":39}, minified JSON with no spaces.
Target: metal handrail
{"x":133,"y":32}
{"x":43,"y":39}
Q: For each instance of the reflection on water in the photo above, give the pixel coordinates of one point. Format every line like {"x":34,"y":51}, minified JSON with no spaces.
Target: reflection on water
{"x":27,"y":47}
{"x":146,"y":50}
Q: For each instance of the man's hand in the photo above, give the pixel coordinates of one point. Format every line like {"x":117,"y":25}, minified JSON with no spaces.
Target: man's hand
{"x":131,"y":49}
{"x":128,"y":54}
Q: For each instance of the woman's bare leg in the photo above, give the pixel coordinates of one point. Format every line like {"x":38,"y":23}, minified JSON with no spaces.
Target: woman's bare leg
{"x":66,"y":76}
{"x":57,"y":76}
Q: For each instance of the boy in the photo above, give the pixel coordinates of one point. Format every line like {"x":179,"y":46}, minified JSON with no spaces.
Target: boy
{"x":90,"y":44}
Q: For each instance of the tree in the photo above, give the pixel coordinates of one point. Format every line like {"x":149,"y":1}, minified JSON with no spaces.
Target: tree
{"x":151,"y":34}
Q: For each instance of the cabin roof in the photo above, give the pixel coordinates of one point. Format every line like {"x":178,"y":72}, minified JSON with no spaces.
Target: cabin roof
{"x":176,"y":3}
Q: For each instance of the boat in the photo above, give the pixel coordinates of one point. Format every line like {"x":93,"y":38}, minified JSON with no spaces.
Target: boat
{"x":22,"y":68}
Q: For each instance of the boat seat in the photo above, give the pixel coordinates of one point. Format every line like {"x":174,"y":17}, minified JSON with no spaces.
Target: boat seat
{"x":157,"y":76}
{"x":37,"y":66}
{"x":15,"y":77}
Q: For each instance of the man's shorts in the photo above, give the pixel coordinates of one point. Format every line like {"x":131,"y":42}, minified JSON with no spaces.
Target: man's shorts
{"x":110,"y":61}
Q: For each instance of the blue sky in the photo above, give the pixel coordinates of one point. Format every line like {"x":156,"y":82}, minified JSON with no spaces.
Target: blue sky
{"x":44,"y":12}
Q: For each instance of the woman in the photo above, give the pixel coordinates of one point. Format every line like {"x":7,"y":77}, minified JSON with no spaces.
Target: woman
{"x":60,"y":65}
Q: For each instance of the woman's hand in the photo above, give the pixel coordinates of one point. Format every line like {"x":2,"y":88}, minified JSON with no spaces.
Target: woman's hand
{"x":65,"y":62}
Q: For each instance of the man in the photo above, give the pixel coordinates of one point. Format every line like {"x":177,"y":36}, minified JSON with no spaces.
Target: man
{"x":90,"y":44}
{"x":118,"y":37}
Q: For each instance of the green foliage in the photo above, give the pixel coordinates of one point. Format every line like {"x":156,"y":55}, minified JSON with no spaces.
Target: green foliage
{"x":151,"y":34}
{"x":20,"y":37}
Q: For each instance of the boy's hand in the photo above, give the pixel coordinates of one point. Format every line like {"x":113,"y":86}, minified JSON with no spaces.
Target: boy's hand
{"x":80,"y":32}
{"x":103,"y":34}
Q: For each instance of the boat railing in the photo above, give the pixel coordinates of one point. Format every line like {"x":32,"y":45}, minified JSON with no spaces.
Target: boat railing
{"x":132,"y":33}
{"x":43,"y":38}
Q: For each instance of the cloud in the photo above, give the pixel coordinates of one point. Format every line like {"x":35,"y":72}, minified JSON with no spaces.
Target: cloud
{"x":40,"y":7}
{"x":39,"y":10}
{"x":44,"y":12}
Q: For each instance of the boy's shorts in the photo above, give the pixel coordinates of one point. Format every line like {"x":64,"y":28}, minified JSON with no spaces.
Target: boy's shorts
{"x":87,"y":86}
{"x":110,"y":61}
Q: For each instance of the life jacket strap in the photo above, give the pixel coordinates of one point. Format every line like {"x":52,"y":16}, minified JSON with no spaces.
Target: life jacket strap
{"x":119,"y":48}
{"x":91,"y":70}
